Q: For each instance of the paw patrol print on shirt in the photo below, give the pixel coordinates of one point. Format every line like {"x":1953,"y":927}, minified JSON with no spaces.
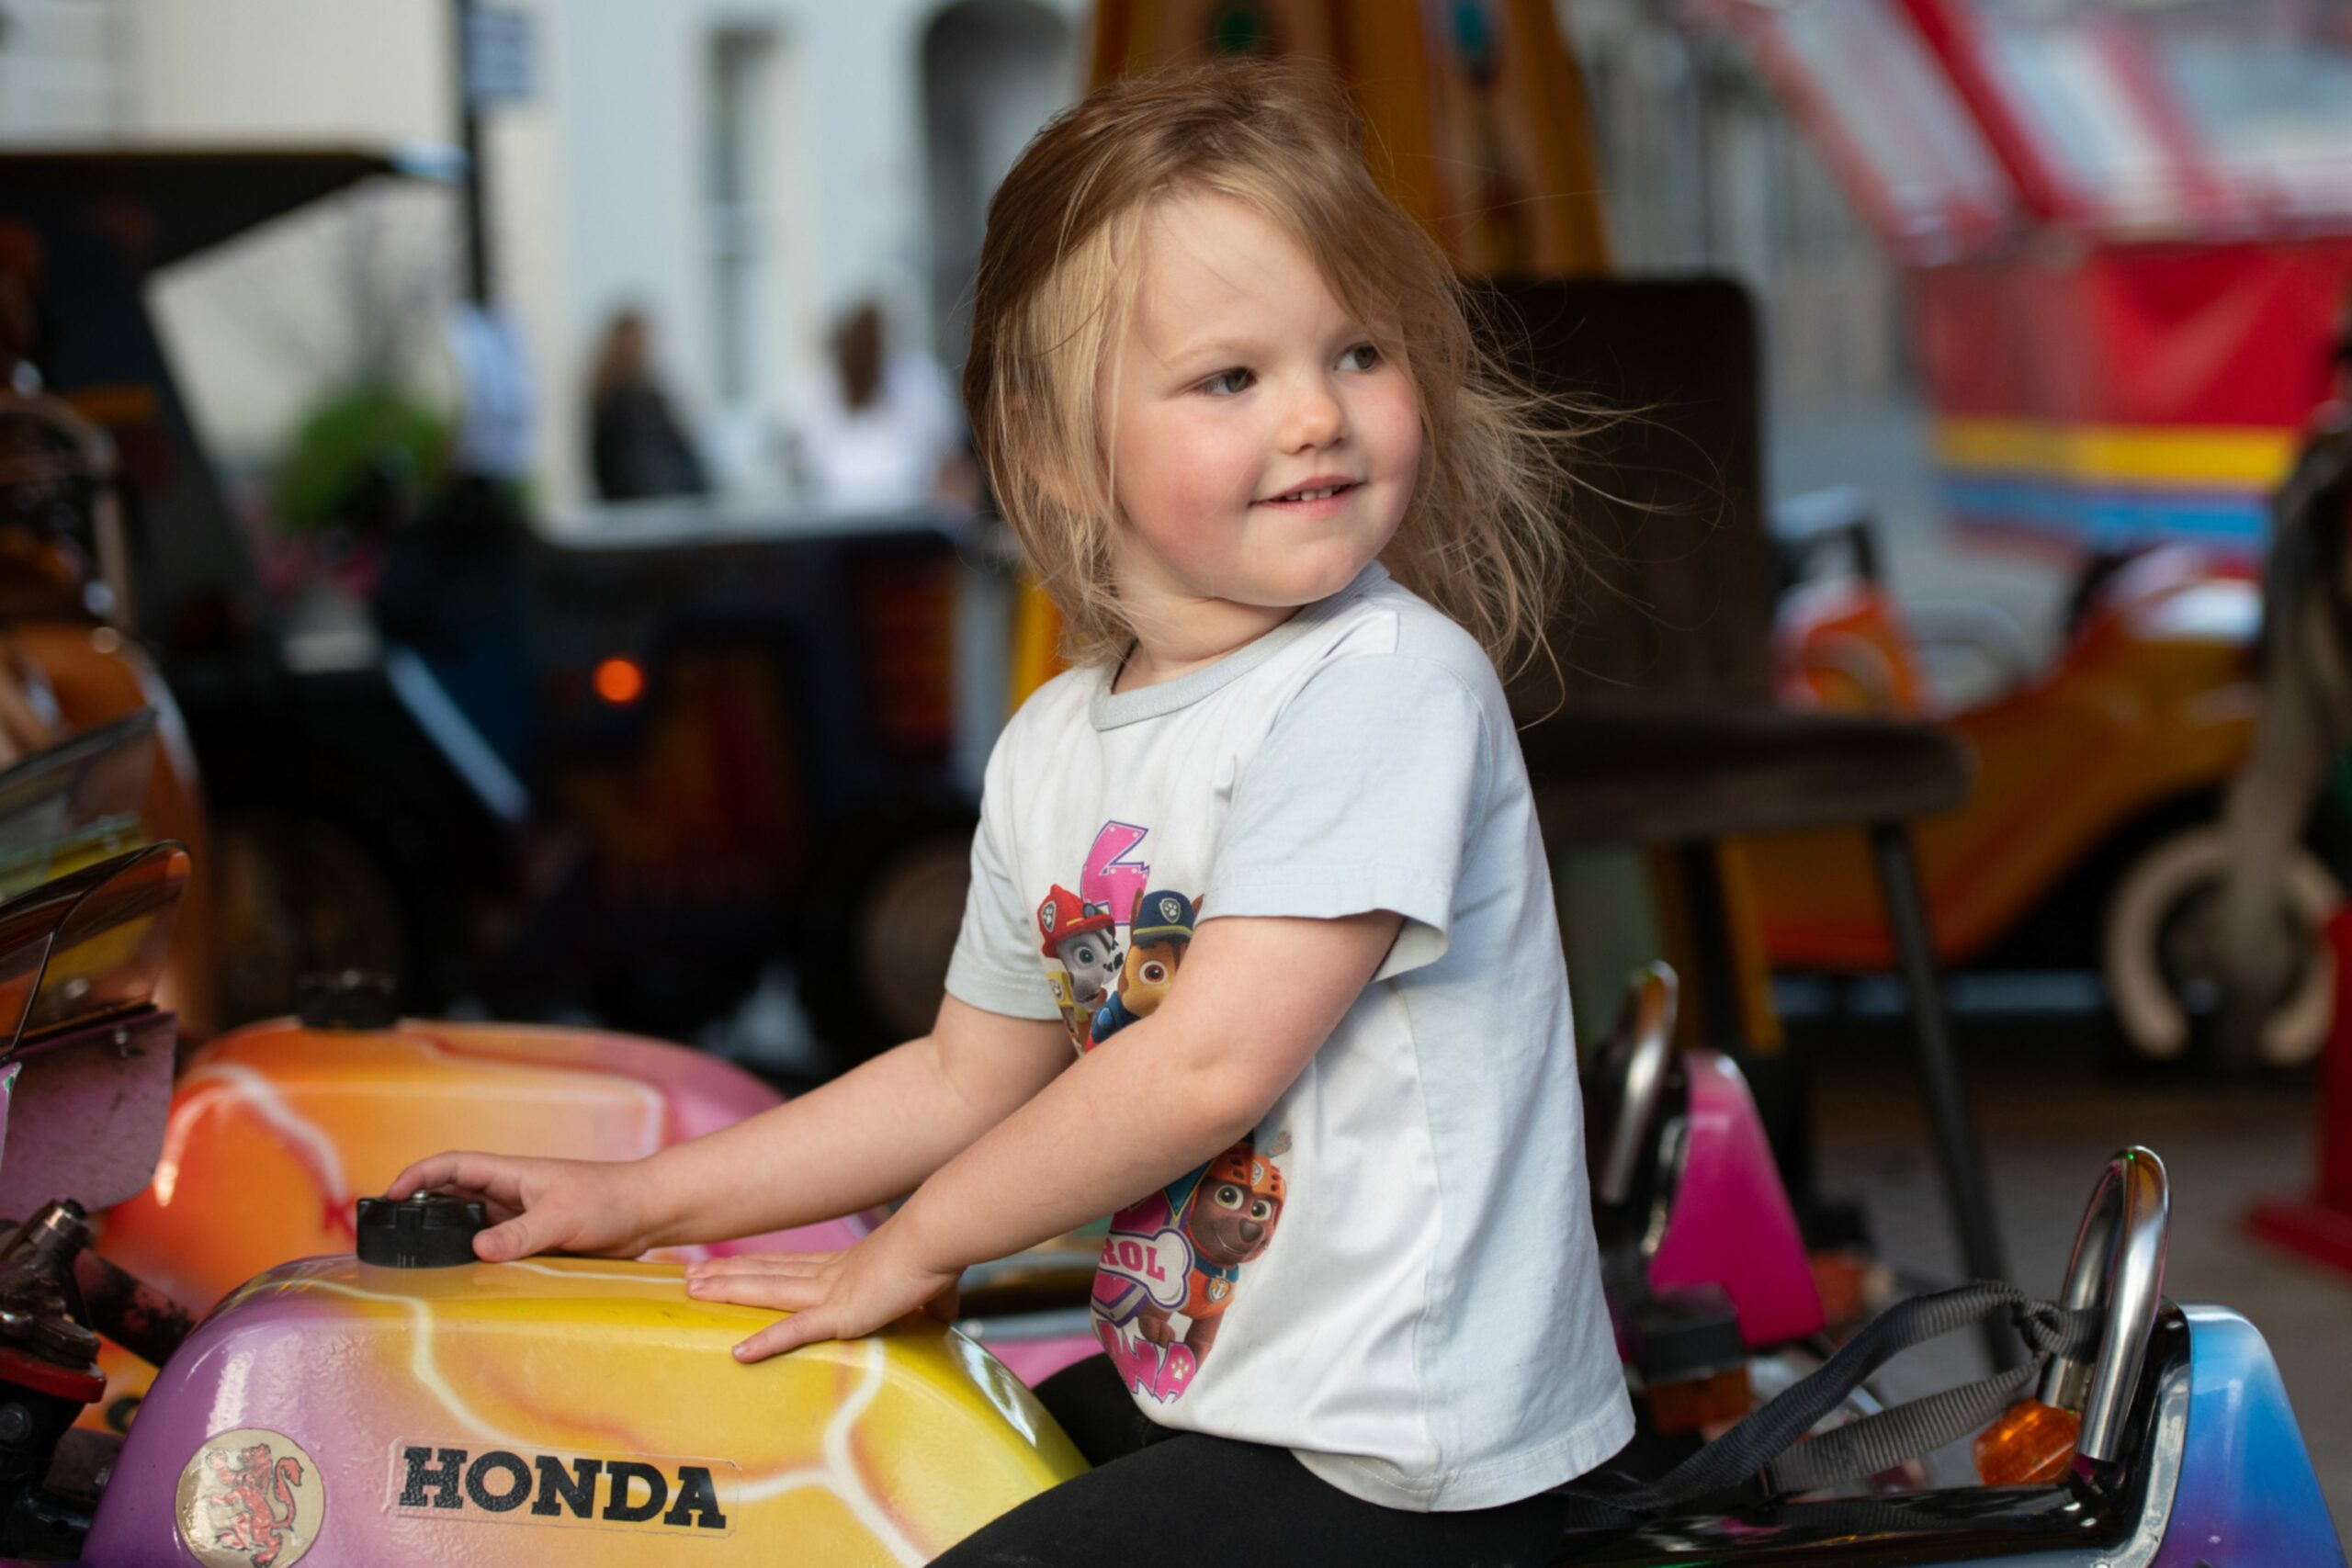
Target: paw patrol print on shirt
{"x":1229,"y":1212}
{"x":1173,"y":1263}
{"x":1082,"y":938}
{"x":1157,"y":942}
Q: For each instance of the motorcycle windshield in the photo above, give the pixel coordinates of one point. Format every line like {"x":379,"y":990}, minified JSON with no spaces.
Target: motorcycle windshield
{"x":75,"y":803}
{"x":89,"y":944}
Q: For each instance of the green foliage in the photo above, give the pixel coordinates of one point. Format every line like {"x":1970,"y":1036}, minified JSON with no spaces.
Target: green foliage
{"x":357,"y":443}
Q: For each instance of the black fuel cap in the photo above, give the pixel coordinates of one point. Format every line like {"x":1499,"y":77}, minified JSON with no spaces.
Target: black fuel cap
{"x":427,"y":1231}
{"x":346,"y":998}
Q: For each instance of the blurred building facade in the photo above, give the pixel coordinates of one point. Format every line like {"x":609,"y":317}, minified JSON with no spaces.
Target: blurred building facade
{"x":744,"y":169}
{"x":1705,"y":170}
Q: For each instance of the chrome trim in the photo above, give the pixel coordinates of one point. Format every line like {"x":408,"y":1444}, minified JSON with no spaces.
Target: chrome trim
{"x":2167,"y":1452}
{"x":2118,"y":1265}
{"x":1038,"y":1265}
{"x":1645,"y":1028}
{"x":1028,"y":1327}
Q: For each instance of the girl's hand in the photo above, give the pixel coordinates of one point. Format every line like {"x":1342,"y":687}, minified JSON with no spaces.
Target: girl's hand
{"x":540,"y":1205}
{"x":831,"y":1295}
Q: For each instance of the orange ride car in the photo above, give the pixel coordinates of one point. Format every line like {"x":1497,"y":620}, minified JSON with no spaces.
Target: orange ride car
{"x":2093,"y":840}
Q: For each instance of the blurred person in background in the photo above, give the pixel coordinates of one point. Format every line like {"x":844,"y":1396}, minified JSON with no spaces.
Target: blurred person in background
{"x":456,"y":584}
{"x":635,"y":447}
{"x":880,"y":431}
{"x":454,"y":589}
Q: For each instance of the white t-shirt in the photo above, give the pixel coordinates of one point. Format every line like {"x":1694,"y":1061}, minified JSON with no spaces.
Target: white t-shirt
{"x":1395,"y":1276}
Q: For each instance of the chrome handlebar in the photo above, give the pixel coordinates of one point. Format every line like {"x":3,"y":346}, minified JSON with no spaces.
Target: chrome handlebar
{"x":2118,"y":1265}
{"x":1646,"y":1026}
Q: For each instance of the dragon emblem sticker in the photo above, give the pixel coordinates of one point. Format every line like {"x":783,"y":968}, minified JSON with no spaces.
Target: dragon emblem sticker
{"x":250,"y":1498}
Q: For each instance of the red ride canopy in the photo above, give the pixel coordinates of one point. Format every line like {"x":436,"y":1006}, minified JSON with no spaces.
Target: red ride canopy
{"x":2130,"y":233}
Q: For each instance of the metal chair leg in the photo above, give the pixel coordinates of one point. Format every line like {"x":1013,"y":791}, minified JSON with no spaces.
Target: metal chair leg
{"x":1958,"y":1149}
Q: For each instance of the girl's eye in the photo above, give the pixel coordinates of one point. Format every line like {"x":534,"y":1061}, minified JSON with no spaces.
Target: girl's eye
{"x":1226,"y":383}
{"x":1367,"y":353}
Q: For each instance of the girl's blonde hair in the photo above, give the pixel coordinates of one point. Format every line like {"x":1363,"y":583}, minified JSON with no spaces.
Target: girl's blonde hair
{"x":1482,"y":537}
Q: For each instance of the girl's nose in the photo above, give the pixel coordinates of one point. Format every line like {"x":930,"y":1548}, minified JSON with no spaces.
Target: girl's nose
{"x":1315,"y":417}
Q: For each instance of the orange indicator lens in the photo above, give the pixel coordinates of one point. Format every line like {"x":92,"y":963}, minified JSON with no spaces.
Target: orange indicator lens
{"x":2029,"y":1445}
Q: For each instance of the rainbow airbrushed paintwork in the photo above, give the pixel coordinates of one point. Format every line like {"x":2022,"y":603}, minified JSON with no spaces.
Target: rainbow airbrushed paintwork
{"x":557,"y":1410}
{"x":275,"y":1132}
{"x":2246,"y":1493}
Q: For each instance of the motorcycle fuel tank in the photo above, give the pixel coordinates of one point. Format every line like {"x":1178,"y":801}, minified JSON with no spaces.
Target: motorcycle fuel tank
{"x":570,"y":1411}
{"x":274,"y":1131}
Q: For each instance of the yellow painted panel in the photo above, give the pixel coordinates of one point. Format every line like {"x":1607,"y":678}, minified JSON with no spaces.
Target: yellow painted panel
{"x":2203,"y":455}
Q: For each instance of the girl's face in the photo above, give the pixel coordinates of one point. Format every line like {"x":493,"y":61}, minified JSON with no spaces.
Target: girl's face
{"x":1242,"y":383}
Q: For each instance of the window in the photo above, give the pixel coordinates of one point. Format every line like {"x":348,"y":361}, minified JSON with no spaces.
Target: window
{"x":741,"y":67}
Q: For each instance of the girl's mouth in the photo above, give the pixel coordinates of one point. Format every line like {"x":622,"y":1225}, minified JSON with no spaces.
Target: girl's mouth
{"x":1314,"y":500}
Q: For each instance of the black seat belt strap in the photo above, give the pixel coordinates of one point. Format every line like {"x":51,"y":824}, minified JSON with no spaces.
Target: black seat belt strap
{"x":1749,"y":1451}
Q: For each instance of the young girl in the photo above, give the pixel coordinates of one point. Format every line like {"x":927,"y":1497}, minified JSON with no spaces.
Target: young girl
{"x":1266,"y":857}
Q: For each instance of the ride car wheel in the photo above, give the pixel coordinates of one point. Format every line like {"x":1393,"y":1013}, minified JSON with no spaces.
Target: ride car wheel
{"x":2161,"y":950}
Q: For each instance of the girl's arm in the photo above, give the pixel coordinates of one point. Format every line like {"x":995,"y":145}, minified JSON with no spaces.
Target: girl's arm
{"x":1254,"y":1001}
{"x":869,"y":1135}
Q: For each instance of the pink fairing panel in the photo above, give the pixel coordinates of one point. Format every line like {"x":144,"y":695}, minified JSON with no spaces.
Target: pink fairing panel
{"x":1730,"y":1224}
{"x":86,"y":1115}
{"x":275,"y":1132}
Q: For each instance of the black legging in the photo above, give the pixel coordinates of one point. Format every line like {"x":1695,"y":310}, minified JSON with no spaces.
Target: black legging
{"x":1163,"y":1499}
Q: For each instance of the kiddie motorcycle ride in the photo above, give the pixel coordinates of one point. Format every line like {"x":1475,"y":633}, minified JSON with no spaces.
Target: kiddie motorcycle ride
{"x":67,"y":653}
{"x":267,"y":1129}
{"x":405,"y":1404}
{"x":277,"y":1130}
{"x":597,"y":1379}
{"x":1685,"y":1195}
{"x":271,"y":1133}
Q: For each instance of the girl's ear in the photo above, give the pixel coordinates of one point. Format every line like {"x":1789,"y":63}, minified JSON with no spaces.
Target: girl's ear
{"x":1065,"y":489}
